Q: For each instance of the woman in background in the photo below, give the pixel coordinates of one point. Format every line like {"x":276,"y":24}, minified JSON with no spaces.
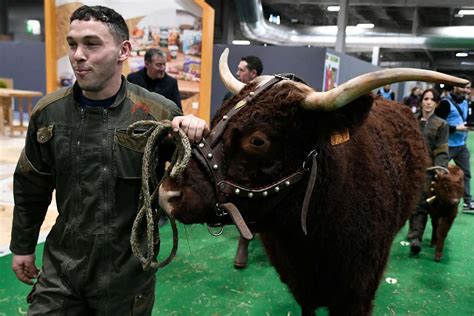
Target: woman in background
{"x":435,"y":131}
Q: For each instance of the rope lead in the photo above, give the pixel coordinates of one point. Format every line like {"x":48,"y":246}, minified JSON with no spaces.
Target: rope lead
{"x":179,"y":161}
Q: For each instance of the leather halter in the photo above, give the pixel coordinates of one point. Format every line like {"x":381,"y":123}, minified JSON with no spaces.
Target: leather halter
{"x":210,"y":153}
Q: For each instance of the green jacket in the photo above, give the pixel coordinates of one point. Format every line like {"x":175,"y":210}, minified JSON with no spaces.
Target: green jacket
{"x":85,"y":155}
{"x":435,"y":132}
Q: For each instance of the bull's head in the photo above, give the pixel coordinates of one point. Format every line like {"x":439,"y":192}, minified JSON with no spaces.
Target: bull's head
{"x":448,"y":185}
{"x":263,"y":141}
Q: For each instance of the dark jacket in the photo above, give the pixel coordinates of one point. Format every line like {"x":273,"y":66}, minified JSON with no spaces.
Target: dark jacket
{"x":85,"y":155}
{"x":166,"y":86}
{"x":435,"y":132}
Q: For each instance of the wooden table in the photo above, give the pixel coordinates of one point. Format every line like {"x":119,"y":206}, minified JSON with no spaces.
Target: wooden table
{"x":6,"y":107}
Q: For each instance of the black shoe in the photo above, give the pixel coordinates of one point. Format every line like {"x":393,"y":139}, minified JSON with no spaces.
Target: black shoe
{"x":415,"y":246}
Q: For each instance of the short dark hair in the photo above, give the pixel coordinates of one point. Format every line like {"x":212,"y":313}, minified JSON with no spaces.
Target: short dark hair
{"x":254,"y":63}
{"x":436,"y":96}
{"x":117,"y":25}
{"x":152,"y":52}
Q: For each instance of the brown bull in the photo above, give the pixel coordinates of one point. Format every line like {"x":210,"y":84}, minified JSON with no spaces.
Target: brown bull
{"x":327,"y":178}
{"x":445,"y":194}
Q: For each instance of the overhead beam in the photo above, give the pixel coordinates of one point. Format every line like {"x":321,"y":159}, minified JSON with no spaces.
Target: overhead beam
{"x":342,"y":18}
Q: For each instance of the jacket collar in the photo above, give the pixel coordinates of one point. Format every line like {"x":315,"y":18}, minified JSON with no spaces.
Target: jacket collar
{"x":122,"y":93}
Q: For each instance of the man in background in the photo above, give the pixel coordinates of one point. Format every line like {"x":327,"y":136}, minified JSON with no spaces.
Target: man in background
{"x":249,"y":68}
{"x":386,"y":92}
{"x":454,"y":108}
{"x":154,"y":77}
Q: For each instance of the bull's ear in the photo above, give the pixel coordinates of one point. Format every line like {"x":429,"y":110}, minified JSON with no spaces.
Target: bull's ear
{"x":347,"y":118}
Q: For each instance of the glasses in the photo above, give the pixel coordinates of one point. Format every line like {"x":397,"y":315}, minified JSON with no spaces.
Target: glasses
{"x":160,"y":65}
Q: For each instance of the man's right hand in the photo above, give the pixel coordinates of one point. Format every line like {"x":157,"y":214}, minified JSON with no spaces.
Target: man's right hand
{"x":25,"y":268}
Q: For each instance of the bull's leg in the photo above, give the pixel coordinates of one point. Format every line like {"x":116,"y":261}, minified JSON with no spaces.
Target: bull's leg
{"x":434,"y":232}
{"x":445,"y":224}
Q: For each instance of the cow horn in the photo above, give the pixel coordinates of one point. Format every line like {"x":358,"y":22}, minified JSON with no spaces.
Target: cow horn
{"x":437,"y":168}
{"x":230,"y":82}
{"x":343,"y":94}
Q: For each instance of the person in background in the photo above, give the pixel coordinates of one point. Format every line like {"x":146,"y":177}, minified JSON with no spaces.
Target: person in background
{"x":249,"y":68}
{"x":386,"y":92}
{"x":154,"y":78}
{"x":454,"y":108}
{"x":435,"y":132}
{"x":413,"y":100}
{"x":77,"y":145}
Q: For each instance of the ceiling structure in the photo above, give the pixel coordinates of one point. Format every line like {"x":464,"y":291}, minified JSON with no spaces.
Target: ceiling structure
{"x":407,"y":33}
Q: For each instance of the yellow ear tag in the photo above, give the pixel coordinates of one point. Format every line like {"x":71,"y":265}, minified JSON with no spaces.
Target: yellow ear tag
{"x":240,"y":104}
{"x":339,"y":138}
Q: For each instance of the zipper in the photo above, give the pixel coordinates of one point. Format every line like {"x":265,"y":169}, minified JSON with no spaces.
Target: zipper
{"x":78,"y":160}
{"x":106,"y":169}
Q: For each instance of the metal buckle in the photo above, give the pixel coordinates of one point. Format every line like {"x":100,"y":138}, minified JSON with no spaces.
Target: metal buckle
{"x":215,"y":233}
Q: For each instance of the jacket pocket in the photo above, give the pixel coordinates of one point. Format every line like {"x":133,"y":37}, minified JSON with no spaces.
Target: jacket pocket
{"x":128,"y":155}
{"x":55,"y":146}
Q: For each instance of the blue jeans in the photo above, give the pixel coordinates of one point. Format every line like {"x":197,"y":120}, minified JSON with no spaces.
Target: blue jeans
{"x":461,"y":155}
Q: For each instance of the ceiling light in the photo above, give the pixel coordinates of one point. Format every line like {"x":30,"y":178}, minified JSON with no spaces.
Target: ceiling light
{"x":365,"y":25}
{"x":334,"y":8}
{"x":466,"y":12}
{"x":241,"y":42}
{"x":461,"y":54}
{"x":274,"y":19}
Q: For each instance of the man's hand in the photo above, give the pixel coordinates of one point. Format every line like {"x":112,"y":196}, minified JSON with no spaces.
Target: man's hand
{"x":194,"y":127}
{"x":25,"y":268}
{"x":462,"y":128}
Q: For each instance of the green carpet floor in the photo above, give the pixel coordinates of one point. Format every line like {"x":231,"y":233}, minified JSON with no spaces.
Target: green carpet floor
{"x":202,"y":281}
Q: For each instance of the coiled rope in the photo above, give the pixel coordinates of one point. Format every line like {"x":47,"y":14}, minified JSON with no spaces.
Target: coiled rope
{"x":156,"y":132}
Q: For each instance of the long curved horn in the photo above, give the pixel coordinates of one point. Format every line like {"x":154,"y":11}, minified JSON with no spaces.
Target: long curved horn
{"x":343,"y":94}
{"x":228,"y":79}
{"x":437,"y":168}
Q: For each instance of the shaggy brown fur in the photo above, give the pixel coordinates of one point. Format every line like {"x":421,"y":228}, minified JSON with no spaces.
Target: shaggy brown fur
{"x":448,"y":188}
{"x":364,"y":193}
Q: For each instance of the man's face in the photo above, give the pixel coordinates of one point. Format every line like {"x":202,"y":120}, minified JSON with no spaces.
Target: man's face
{"x":244,"y":74}
{"x":156,"y":67}
{"x":95,"y":57}
{"x":462,"y":91}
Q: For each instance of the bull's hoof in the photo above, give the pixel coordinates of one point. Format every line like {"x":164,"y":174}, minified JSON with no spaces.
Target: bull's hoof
{"x":415,"y":247}
{"x":437,"y":257}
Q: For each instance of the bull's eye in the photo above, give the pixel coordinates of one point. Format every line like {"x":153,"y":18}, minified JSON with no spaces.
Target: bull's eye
{"x":257,"y":141}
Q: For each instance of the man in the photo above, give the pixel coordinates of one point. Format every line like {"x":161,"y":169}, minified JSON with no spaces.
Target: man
{"x":77,"y":144}
{"x":154,"y":77}
{"x":454,"y":108}
{"x":387,"y":93}
{"x":249,"y":68}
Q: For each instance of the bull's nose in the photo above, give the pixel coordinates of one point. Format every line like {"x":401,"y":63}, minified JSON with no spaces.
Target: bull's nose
{"x":165,"y":197}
